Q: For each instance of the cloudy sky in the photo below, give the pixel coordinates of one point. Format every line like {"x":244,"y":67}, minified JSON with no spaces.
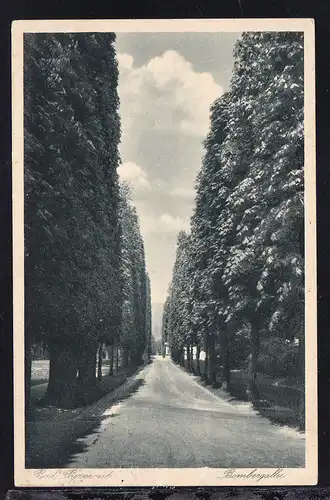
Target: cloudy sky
{"x":166,"y":85}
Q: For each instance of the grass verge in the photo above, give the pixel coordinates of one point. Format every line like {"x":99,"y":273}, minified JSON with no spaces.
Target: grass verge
{"x":280,"y":400}
{"x":51,"y":432}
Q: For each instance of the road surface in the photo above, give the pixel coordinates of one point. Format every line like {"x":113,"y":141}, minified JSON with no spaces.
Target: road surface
{"x":172,"y":421}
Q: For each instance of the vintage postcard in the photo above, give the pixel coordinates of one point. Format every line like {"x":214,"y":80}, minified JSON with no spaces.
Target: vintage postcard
{"x":164,"y":252}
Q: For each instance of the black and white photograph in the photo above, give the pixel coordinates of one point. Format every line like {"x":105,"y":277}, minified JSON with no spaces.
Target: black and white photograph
{"x":164,"y":252}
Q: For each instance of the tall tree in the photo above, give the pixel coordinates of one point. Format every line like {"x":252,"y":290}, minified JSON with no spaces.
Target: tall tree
{"x":149,"y":338}
{"x":245,"y":259}
{"x":211,"y":239}
{"x":176,"y":321}
{"x":265,"y":134}
{"x":135,"y":332}
{"x":72,"y":233}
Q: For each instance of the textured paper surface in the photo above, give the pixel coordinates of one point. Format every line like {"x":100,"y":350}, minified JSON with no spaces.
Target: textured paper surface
{"x":165,"y":477}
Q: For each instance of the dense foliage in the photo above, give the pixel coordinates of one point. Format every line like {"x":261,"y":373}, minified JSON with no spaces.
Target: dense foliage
{"x":238,"y":280}
{"x":136,"y":308}
{"x":76,"y":238}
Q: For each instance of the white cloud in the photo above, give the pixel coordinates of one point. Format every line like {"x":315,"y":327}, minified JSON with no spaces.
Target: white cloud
{"x":125,"y":60}
{"x":170,"y":224}
{"x":182,"y":192}
{"x":166,"y":94}
{"x":163,"y":223}
{"x":134,"y":175}
{"x":164,"y":110}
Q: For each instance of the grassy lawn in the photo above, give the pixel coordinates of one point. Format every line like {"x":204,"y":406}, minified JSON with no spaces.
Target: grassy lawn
{"x":38,"y":381}
{"x":280,"y":399}
{"x":40,"y":370}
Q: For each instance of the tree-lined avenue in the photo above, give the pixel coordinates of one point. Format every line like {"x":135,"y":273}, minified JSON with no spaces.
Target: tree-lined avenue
{"x":173,"y":422}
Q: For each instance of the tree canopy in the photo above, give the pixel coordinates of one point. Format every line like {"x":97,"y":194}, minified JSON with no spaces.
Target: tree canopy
{"x":243,"y":275}
{"x":82,"y":237}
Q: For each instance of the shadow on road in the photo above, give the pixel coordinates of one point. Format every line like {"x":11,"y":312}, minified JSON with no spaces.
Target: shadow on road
{"x":280,"y":405}
{"x":61,"y":435}
{"x":96,"y":419}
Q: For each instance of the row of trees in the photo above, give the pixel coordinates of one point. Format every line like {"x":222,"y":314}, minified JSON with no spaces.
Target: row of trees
{"x":85,"y":276}
{"x":237,"y":289}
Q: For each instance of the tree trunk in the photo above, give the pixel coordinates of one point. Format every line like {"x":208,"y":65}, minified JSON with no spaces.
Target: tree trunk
{"x":192,"y":359}
{"x":253,"y":391}
{"x":27,"y":375}
{"x":198,"y":366}
{"x":188,"y":358}
{"x":212,"y":360}
{"x":225,"y":353}
{"x":125,"y":357}
{"x":87,"y":374}
{"x":181,"y":357}
{"x":206,"y":362}
{"x":117,"y":359}
{"x":301,"y":416}
{"x":111,"y":361}
{"x":99,"y":364}
{"x":62,"y":383}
